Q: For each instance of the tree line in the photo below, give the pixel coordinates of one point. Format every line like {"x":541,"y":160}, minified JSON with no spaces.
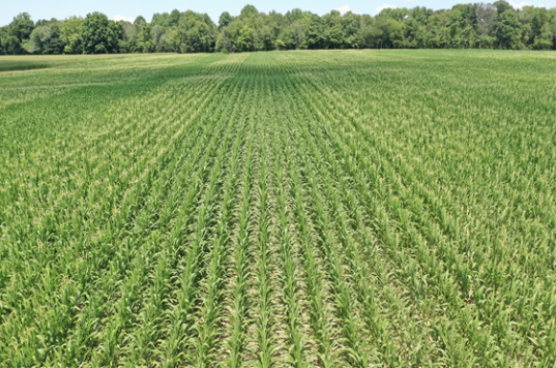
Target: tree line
{"x":481,"y":25}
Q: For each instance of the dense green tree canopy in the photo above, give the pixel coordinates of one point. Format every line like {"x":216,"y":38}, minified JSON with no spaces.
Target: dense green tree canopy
{"x":225,"y":20}
{"x":15,"y":34}
{"x":100,"y":35}
{"x":479,"y":25}
{"x":22,"y":26}
{"x":70,"y":35}
{"x":248,"y":11}
{"x":45,"y":39}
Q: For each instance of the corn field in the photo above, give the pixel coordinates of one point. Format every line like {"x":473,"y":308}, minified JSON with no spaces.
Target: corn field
{"x":295,"y":209}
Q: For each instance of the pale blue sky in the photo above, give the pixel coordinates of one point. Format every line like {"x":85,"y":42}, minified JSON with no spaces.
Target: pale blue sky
{"x":60,"y":9}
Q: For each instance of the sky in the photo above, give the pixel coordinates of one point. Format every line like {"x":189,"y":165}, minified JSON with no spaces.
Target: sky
{"x":130,"y":9}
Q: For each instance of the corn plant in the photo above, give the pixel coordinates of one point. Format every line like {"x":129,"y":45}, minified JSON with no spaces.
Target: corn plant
{"x":303,"y":209}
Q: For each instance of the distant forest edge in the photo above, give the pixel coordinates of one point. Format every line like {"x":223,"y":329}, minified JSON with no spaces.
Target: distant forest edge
{"x":487,"y":26}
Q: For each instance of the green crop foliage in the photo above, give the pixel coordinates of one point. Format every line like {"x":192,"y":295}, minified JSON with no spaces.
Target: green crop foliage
{"x":282,"y":209}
